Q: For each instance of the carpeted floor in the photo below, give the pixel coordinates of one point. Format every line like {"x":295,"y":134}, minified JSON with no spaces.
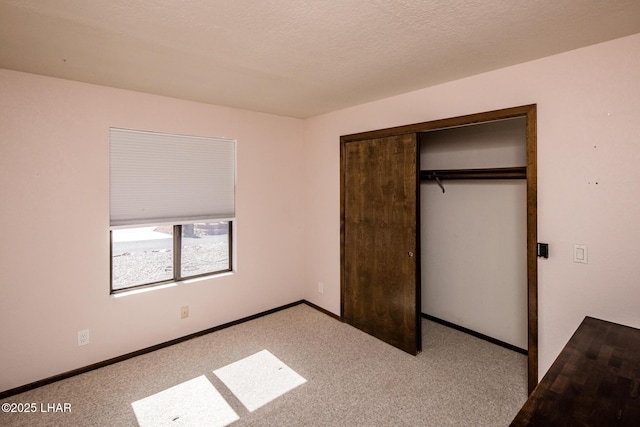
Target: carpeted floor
{"x":350,"y":379}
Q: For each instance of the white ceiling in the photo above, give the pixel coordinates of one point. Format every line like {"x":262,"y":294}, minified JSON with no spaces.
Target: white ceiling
{"x":296,"y":58}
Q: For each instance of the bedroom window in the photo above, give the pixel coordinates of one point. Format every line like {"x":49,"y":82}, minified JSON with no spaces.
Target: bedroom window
{"x":172,"y":207}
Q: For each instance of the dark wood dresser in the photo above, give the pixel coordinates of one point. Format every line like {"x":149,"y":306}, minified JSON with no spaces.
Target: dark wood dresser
{"x":595,"y":381}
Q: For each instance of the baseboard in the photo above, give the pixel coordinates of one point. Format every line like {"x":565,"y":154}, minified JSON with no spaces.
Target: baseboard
{"x":322,"y":310}
{"x":69,"y":374}
{"x":475,"y":334}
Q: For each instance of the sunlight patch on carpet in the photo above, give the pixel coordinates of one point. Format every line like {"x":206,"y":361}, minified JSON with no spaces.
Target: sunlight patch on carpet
{"x":258,"y":379}
{"x":193,"y":403}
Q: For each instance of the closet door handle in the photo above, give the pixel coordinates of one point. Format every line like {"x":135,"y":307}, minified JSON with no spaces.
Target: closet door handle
{"x":410,"y":254}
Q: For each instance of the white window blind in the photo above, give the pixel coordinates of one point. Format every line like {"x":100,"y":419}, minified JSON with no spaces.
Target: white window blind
{"x":162,"y":178}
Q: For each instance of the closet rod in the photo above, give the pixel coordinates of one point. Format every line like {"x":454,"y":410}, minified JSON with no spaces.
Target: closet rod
{"x":487,"y":173}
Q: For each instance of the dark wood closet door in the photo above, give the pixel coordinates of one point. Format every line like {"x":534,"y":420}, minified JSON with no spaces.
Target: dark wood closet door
{"x":380,"y":253}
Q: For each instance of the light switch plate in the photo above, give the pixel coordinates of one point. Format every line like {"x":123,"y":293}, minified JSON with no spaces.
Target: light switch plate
{"x":580,"y":254}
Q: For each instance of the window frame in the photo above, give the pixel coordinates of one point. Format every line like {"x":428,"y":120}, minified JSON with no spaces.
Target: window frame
{"x":176,"y":261}
{"x":153,"y":182}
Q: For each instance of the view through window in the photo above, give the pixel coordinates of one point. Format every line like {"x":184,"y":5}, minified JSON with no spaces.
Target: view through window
{"x":148,"y":255}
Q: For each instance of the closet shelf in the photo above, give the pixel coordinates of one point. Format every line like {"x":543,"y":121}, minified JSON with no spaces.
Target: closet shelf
{"x":488,"y":173}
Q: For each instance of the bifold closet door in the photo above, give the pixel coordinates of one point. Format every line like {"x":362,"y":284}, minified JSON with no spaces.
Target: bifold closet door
{"x":380,"y":249}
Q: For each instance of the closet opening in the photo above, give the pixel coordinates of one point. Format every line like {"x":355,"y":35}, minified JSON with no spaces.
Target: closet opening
{"x":478,"y":221}
{"x":474,"y":230}
{"x":477,"y":196}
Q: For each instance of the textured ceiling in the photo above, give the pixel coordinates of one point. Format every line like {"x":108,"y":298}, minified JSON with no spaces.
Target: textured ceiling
{"x":296,"y":58}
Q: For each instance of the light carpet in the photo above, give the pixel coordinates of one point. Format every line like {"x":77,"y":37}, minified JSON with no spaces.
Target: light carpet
{"x":336,"y":376}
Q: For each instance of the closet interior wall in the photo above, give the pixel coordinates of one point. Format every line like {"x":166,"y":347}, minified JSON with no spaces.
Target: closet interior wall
{"x":474,"y":235}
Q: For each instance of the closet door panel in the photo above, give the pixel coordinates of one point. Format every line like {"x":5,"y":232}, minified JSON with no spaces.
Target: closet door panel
{"x":380,"y":283}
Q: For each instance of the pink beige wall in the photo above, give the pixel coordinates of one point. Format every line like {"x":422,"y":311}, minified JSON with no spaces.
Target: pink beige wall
{"x":54,"y":223}
{"x":54,"y":275}
{"x":588,"y":167}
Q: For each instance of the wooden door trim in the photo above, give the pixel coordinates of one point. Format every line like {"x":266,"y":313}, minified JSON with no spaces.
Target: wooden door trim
{"x":529,"y":112}
{"x":466,"y":120}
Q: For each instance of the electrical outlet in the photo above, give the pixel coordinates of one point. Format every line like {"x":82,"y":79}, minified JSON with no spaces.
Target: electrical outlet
{"x":320,"y":287}
{"x":184,"y":312}
{"x":83,"y":337}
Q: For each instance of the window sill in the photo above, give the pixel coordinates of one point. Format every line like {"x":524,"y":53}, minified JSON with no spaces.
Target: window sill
{"x":169,"y":285}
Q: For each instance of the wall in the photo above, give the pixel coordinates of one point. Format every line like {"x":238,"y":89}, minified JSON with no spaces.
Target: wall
{"x":588,"y":108}
{"x":54,"y":212}
{"x":474,"y":235}
{"x":54,"y":209}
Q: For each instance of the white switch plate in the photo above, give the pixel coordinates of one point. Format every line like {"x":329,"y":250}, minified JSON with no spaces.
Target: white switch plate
{"x":580,"y":254}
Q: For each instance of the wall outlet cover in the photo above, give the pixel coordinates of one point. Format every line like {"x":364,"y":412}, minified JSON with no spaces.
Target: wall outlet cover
{"x":83,"y":337}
